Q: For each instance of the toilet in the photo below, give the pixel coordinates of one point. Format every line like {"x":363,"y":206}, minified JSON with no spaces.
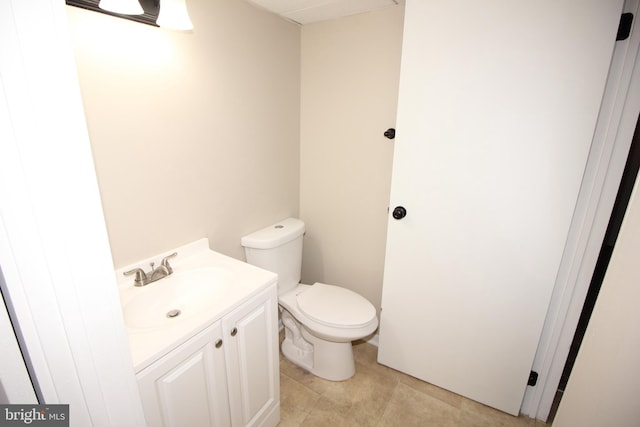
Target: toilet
{"x":320,"y":320}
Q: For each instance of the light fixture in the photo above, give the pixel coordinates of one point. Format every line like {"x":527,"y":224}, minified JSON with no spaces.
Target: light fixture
{"x":174,"y":15}
{"x":124,"y":7}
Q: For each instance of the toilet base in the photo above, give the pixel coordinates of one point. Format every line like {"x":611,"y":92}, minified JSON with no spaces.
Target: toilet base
{"x":329,"y":360}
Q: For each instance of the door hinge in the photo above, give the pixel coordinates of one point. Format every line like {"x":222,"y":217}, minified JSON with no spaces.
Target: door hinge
{"x":624,"y":29}
{"x":533,"y":378}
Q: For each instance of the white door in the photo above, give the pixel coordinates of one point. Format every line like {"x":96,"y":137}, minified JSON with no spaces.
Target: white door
{"x":497,"y":107}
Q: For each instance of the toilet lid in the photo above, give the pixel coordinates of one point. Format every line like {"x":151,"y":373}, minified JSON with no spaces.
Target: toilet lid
{"x":335,"y":306}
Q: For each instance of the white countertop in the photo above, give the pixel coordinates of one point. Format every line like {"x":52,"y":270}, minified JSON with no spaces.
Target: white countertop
{"x":149,"y":344}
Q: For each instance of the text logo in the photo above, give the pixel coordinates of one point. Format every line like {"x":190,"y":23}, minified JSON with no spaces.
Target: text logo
{"x":34,"y":415}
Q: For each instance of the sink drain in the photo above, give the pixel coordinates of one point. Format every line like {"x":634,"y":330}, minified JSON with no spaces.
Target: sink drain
{"x":173,"y":313}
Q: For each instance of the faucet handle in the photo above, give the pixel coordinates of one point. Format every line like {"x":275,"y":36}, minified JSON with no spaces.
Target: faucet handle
{"x":141,"y":276}
{"x":165,"y":262}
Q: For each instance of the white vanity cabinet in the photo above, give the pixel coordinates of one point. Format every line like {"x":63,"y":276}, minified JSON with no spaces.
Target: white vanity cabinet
{"x":226,"y":375}
{"x":188,"y":386}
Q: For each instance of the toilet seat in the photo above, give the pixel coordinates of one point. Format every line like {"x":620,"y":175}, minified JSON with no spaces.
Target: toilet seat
{"x":335,"y":306}
{"x":323,"y":328}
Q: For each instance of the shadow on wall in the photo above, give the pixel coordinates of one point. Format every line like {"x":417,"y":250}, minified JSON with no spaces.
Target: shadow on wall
{"x":312,"y":249}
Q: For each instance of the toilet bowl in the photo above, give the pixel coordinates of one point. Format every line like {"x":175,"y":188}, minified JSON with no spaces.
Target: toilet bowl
{"x":320,"y":320}
{"x":320,"y":323}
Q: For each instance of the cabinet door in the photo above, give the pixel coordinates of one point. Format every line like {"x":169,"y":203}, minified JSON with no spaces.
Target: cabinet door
{"x":251,"y":350}
{"x":188,"y":386}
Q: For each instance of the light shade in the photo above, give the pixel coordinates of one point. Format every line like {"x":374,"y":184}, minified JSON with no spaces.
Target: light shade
{"x":124,"y":7}
{"x":174,"y":15}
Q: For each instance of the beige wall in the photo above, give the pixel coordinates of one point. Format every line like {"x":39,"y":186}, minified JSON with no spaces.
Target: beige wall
{"x":603,"y":388}
{"x":193,"y":134}
{"x":350,"y":74}
{"x":197,"y":134}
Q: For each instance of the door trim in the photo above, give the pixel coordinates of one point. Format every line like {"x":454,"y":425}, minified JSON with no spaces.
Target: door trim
{"x":54,"y":249}
{"x":612,"y":139}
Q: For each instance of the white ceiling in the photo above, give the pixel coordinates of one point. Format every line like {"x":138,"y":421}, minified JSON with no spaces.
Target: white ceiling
{"x":307,"y":11}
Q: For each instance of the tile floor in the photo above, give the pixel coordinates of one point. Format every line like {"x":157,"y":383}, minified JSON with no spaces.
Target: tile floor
{"x":379,"y":396}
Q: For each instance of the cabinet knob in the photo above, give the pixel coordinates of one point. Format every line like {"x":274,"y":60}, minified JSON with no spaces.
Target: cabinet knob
{"x":234,"y":331}
{"x":218,"y":343}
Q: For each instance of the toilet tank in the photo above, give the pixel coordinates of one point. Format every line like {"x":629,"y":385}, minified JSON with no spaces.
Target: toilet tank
{"x":278,"y":248}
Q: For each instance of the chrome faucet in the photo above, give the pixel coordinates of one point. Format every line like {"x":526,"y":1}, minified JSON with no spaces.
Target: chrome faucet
{"x":144,"y":278}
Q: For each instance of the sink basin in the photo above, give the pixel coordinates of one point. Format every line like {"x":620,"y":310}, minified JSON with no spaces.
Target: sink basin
{"x":204,"y":287}
{"x":177,"y":297}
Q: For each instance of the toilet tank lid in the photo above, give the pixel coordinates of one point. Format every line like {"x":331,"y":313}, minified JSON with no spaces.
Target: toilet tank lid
{"x":274,"y":235}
